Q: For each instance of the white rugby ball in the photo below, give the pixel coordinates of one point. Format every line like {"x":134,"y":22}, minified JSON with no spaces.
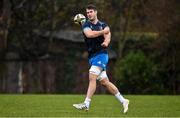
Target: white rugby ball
{"x":79,"y":19}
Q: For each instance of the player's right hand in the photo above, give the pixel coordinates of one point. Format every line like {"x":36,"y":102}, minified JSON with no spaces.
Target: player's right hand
{"x":105,"y":44}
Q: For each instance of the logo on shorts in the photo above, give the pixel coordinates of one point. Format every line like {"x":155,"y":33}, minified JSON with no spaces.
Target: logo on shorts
{"x":99,"y":62}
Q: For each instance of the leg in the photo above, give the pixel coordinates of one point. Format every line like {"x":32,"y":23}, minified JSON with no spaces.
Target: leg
{"x":103,"y":78}
{"x":110,"y":86}
{"x":93,"y":75}
{"x":92,"y":85}
{"x":113,"y":90}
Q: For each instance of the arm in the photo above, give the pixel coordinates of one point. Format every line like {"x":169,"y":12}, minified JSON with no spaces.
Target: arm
{"x":107,"y":38}
{"x":92,"y":34}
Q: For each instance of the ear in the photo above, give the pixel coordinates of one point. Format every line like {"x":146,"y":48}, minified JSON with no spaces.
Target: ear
{"x":95,"y":11}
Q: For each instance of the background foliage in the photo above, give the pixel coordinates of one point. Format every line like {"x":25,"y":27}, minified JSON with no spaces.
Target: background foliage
{"x":145,"y":37}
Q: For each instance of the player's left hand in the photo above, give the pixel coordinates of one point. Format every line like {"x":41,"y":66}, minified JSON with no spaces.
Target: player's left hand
{"x":105,"y":44}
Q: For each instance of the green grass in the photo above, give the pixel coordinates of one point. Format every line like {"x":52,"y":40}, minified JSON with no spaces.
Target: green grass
{"x":102,"y":106}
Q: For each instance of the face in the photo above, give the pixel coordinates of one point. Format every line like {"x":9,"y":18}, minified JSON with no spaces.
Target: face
{"x":91,"y":14}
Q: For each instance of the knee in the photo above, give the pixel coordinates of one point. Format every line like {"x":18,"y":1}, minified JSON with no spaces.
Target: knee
{"x":104,"y":82}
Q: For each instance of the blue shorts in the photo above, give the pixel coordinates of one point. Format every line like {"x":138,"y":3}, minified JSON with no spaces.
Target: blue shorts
{"x":100,"y":59}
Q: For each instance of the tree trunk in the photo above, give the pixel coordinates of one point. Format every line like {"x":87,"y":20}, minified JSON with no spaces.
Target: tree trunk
{"x":5,"y":19}
{"x":122,"y":40}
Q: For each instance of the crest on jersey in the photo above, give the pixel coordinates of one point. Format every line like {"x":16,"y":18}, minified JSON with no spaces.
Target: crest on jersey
{"x":100,"y":28}
{"x":91,"y":27}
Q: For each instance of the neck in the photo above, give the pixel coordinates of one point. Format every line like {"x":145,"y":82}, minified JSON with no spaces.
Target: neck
{"x":94,"y":21}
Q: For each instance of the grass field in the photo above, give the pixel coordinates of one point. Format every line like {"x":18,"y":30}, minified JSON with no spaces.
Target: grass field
{"x":102,"y":106}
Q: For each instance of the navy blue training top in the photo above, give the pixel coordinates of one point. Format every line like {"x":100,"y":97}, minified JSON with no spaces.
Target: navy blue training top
{"x":94,"y":44}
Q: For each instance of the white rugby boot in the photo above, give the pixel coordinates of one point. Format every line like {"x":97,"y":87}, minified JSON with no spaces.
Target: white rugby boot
{"x":125,"y":105}
{"x":81,"y":106}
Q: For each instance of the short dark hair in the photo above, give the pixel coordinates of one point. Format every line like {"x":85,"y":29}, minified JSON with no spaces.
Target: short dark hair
{"x":91,"y":6}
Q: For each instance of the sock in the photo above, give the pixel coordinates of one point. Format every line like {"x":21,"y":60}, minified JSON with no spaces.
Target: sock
{"x":87,"y":102}
{"x":120,"y":97}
